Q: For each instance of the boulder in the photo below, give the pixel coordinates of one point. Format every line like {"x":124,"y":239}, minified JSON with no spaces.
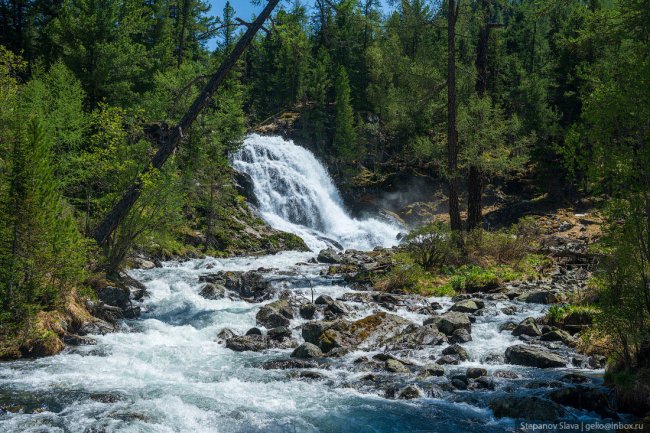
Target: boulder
{"x":329,"y":255}
{"x":533,"y":356}
{"x":275,"y":314}
{"x":252,"y":343}
{"x":408,"y":393}
{"x":542,"y":297}
{"x":507,"y":326}
{"x":285,"y":364}
{"x":460,"y":336}
{"x":250,"y":286}
{"x":582,"y":397}
{"x":212,"y":291}
{"x":417,"y":337}
{"x":559,"y":335}
{"x":307,"y":351}
{"x":279,"y":333}
{"x":475,"y":372}
{"x":506,"y":374}
{"x":394,"y":366}
{"x":225,"y":334}
{"x":114,"y":296}
{"x":527,"y":327}
{"x":526,"y":407}
{"x":448,"y":360}
{"x":307,"y":311}
{"x":254,"y":331}
{"x":465,"y":306}
{"x":431,"y":370}
{"x":324,"y":300}
{"x":457,"y":351}
{"x":448,"y":322}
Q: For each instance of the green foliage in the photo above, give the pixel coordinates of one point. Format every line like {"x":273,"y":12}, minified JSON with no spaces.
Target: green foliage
{"x":42,"y":254}
{"x":345,"y":135}
{"x":433,"y":246}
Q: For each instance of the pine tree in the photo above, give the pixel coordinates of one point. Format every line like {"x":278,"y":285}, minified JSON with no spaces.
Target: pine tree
{"x":344,"y":135}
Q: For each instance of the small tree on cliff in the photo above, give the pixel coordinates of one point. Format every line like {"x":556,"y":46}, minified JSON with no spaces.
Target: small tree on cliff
{"x":344,"y":136}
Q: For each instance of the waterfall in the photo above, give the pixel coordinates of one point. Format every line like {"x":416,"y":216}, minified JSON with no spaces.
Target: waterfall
{"x":296,"y":194}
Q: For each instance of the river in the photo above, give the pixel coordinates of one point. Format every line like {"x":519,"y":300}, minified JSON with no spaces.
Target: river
{"x":168,"y":372}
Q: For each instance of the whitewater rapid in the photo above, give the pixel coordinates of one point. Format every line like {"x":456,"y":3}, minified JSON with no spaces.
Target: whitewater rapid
{"x":296,"y":194}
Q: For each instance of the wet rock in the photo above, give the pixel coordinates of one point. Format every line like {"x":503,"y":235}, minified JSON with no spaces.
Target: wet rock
{"x":448,"y":322}
{"x":96,"y":327}
{"x":113,"y":296}
{"x":508,"y":326}
{"x":509,"y":311}
{"x":253,"y":343}
{"x":457,"y":351}
{"x":307,"y":351}
{"x":436,"y":305}
{"x":460,"y":336}
{"x":307,"y":311}
{"x":431,"y":370}
{"x":533,"y":356}
{"x":336,"y":309}
{"x":409,"y":393}
{"x":279,"y":333}
{"x":526,"y":407}
{"x":329,"y":255}
{"x":286,"y":364}
{"x":466,"y":306}
{"x":394,"y":366}
{"x":559,"y":335}
{"x":212,"y":291}
{"x":337,"y":352}
{"x":312,"y":375}
{"x":275,"y":314}
{"x":226,"y":333}
{"x":575,"y":378}
{"x":78,"y":340}
{"x":458,"y":383}
{"x":254,"y":331}
{"x":582,"y":397}
{"x":542,"y":297}
{"x":527,"y":327}
{"x":482,"y":382}
{"x":448,"y":360}
{"x":505,"y":374}
{"x":324,"y":300}
{"x":250,"y":286}
{"x":475,"y":372}
{"x":544,"y":383}
{"x":417,"y":337}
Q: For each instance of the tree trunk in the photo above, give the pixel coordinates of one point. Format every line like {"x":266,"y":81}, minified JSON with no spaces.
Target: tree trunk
{"x":167,"y":148}
{"x":475,"y":179}
{"x":452,"y":134}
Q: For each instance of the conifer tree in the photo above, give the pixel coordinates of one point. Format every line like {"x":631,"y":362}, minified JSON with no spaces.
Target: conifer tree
{"x":344,"y":136}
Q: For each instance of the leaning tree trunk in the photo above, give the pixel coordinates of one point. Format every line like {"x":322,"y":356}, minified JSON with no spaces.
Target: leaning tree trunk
{"x":122,"y":208}
{"x":452,"y":133}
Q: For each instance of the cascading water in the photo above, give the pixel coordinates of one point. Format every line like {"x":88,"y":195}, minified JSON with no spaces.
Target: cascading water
{"x":296,"y":194}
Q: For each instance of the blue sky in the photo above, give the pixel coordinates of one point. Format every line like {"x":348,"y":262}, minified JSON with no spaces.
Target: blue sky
{"x":245,"y":10}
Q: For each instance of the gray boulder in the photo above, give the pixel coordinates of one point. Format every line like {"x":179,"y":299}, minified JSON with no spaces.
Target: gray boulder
{"x":212,"y":291}
{"x":307,"y":351}
{"x":466,"y":306}
{"x":448,"y":322}
{"x":527,"y":327}
{"x":275,"y":314}
{"x":526,"y":407}
{"x":533,"y":356}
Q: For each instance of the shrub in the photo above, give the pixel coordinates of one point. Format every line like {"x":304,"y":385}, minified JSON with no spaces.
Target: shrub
{"x":433,"y":246}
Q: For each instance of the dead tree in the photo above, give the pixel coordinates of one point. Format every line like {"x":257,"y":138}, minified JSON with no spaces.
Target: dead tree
{"x":122,"y":207}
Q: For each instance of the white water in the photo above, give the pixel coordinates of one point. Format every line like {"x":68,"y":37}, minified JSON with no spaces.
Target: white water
{"x":296,"y":194}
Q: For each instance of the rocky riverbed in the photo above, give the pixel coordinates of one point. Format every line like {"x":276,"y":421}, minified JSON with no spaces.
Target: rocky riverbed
{"x":294,"y":342}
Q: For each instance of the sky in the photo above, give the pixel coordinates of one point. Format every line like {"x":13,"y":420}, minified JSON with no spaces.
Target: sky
{"x":245,"y":10}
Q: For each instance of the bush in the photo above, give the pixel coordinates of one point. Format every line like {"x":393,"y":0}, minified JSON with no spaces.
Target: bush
{"x":433,"y":246}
